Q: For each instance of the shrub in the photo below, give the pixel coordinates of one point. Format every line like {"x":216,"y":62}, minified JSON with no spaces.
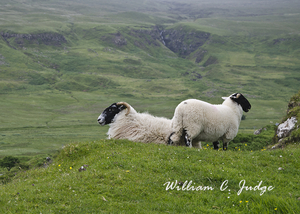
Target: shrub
{"x":9,"y":162}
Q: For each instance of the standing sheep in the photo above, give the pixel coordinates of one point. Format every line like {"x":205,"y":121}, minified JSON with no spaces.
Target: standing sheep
{"x":126,"y":123}
{"x":203,"y":121}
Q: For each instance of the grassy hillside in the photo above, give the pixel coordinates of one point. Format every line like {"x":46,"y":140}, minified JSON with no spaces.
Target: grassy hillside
{"x":126,"y":177}
{"x":61,"y":64}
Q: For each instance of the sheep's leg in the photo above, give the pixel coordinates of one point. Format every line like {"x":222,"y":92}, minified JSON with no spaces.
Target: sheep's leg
{"x":188,"y":141}
{"x":225,"y":144}
{"x":170,"y":142}
{"x":190,"y":135}
{"x":197,"y":145}
{"x":216,"y":145}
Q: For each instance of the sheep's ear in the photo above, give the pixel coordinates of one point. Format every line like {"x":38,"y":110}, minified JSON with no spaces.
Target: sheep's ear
{"x":235,"y":96}
{"x":114,"y":105}
{"x":241,"y":100}
{"x":224,"y":98}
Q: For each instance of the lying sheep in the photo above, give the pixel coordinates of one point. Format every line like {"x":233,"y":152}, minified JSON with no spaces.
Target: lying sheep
{"x":203,"y":121}
{"x":126,"y":123}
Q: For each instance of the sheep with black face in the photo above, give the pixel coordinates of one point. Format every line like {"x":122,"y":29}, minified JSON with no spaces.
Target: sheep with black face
{"x":202,"y":121}
{"x":126,"y":123}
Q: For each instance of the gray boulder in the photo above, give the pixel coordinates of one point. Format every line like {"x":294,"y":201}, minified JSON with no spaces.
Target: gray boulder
{"x":285,"y":128}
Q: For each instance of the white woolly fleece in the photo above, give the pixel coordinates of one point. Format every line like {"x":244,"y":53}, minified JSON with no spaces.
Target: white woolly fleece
{"x":142,"y":127}
{"x":203,"y":121}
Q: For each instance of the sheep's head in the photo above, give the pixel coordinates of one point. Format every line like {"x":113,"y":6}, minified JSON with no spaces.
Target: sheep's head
{"x":241,"y":100}
{"x":108,"y":115}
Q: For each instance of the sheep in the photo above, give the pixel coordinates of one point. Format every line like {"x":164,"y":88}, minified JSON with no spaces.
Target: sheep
{"x":203,"y":121}
{"x":134,"y":126}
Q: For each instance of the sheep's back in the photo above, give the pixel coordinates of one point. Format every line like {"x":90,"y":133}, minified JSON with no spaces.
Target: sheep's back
{"x":141,"y":127}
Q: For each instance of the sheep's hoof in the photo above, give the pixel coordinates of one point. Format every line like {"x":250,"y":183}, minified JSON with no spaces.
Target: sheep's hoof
{"x":216,"y":145}
{"x":170,"y":142}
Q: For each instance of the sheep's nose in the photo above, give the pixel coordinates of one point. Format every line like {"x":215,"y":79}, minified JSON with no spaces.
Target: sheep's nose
{"x":101,"y":120}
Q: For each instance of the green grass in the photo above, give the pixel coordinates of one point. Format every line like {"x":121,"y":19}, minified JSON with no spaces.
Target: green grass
{"x":127,"y":177}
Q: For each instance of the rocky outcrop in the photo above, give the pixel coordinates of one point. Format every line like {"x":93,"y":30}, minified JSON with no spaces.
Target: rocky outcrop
{"x":288,"y":131}
{"x":55,"y":39}
{"x":280,"y":40}
{"x":181,"y":41}
{"x":285,"y":128}
{"x":184,"y":42}
{"x":199,"y":55}
{"x":145,"y":37}
{"x":119,"y":40}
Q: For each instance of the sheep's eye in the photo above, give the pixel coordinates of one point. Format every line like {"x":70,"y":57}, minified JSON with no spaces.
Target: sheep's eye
{"x":112,"y":109}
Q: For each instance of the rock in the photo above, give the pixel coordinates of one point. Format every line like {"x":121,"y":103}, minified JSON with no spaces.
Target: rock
{"x":285,"y":128}
{"x":257,"y":132}
{"x":83,"y":168}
